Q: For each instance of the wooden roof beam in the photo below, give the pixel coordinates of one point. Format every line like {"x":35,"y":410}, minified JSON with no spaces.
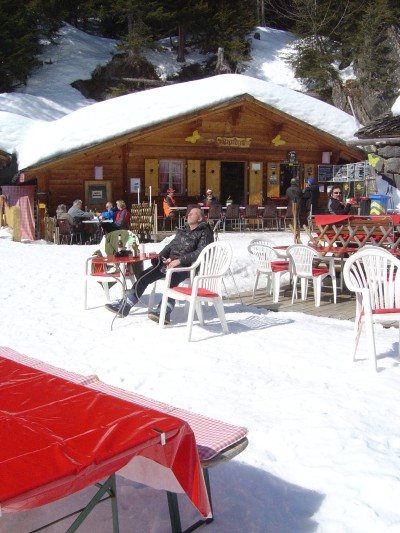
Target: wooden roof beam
{"x":277,"y":128}
{"x":236,"y":112}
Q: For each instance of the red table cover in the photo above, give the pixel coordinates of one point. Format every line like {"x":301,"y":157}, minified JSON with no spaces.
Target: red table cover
{"x":58,"y":437}
{"x":322,"y":220}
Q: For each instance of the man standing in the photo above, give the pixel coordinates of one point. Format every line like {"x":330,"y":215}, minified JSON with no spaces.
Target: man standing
{"x":311,"y":197}
{"x":183,"y":250}
{"x":294,"y":192}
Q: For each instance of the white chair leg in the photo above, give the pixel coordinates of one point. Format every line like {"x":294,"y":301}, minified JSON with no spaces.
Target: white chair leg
{"x":371,"y":349}
{"x":304,"y":288}
{"x":85,"y":290}
{"x":190,"y":318}
{"x":294,"y":292}
{"x":255,"y":284}
{"x":199,"y":311}
{"x":317,"y":291}
{"x":357,"y":333}
{"x":276,"y":284}
{"x":221,"y":315}
{"x":106,"y":288}
{"x":334,"y":288}
{"x":398,"y":349}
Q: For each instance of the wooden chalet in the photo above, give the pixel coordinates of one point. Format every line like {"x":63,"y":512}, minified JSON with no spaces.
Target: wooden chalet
{"x":235,"y":147}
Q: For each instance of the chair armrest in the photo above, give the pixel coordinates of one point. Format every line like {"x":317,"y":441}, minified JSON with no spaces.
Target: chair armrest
{"x":170,"y":271}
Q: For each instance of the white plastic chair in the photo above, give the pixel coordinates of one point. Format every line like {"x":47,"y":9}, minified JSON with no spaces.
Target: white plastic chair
{"x":374,"y":275}
{"x":268,"y":263}
{"x":305,"y":264}
{"x":99,"y":274}
{"x":107,"y":274}
{"x":206,"y":276}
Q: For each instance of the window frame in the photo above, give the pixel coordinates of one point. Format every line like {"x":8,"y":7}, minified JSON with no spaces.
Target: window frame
{"x":171,"y":175}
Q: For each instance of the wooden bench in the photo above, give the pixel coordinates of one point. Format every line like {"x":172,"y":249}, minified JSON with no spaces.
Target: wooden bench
{"x":355,"y":232}
{"x":217,"y":441}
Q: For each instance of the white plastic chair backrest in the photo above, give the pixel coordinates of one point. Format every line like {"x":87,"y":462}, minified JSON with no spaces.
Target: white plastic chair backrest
{"x":377,"y":271}
{"x":214,"y":260}
{"x":259,"y":240}
{"x":216,"y":229}
{"x":263,"y":254}
{"x":302,"y":257}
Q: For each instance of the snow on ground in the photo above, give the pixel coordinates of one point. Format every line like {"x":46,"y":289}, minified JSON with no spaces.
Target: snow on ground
{"x":324,"y":451}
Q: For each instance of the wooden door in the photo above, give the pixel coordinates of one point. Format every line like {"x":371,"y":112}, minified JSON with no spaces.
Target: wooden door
{"x":309,"y":172}
{"x":151,"y":176}
{"x":255,"y":178}
{"x":273,"y":174}
{"x":213,"y":176}
{"x":193,"y":177}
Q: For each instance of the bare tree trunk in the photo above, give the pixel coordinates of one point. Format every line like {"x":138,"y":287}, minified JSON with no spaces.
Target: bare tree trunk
{"x":221,"y":67}
{"x":181,"y":44}
{"x":261,"y":12}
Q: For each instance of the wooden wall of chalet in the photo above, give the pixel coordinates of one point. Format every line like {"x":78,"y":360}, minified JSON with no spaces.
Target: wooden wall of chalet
{"x":243,"y":130}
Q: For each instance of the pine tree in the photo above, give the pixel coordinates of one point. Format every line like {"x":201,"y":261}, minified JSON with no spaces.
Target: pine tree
{"x":375,"y":59}
{"x":24,"y":24}
{"x":228,"y":27}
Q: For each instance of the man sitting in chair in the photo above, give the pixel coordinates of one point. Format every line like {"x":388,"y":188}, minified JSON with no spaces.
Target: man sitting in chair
{"x":183,"y":250}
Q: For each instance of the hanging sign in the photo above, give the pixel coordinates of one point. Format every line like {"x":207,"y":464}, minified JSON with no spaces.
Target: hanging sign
{"x":234,"y":142}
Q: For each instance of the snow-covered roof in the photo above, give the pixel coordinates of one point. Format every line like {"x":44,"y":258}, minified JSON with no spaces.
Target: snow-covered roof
{"x":43,"y":140}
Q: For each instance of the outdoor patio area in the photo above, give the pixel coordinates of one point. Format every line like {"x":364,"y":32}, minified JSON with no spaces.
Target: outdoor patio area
{"x":343,"y":310}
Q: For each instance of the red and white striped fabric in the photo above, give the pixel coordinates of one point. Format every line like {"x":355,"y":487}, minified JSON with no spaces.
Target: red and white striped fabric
{"x":212,"y":436}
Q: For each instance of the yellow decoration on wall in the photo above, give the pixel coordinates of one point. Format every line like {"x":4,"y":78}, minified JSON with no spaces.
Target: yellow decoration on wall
{"x":358,"y":187}
{"x":277,"y":141}
{"x":346,"y":187}
{"x":373,"y":160}
{"x":194,"y":137}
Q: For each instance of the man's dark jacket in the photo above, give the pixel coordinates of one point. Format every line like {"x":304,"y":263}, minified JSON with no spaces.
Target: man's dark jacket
{"x":187,"y":244}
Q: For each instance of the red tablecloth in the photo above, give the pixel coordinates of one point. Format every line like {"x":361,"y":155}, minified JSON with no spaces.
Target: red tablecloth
{"x":58,"y":437}
{"x":322,"y":220}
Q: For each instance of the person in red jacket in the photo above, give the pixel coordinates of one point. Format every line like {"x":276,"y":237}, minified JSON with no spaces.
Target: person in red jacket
{"x":122,"y":219}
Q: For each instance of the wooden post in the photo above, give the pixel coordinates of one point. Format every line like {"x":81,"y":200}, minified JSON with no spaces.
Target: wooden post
{"x":296,"y":228}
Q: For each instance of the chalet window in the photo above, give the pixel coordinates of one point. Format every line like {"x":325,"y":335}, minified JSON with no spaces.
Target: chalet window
{"x":171,"y":175}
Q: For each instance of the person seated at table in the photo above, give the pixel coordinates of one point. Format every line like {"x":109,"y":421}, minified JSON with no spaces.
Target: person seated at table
{"x":335,"y":205}
{"x":183,"y":251}
{"x":77,"y":213}
{"x":122,"y":218}
{"x":209,"y":198}
{"x":61,"y":214}
{"x":110,"y":213}
{"x":168,"y":203}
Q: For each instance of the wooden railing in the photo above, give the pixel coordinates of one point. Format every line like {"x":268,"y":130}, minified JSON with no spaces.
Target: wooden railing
{"x":355,"y":232}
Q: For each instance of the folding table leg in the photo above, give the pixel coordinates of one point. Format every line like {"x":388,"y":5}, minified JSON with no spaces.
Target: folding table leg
{"x":174,"y":515}
{"x":174,"y":512}
{"x":108,"y":486}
